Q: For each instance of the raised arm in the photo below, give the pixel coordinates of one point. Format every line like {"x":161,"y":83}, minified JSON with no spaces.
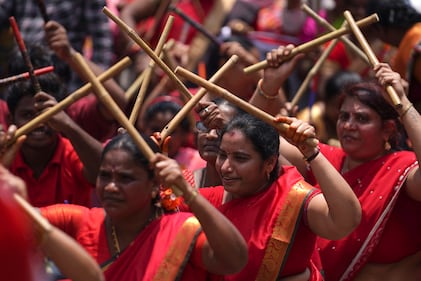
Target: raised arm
{"x":411,"y":120}
{"x":88,"y":148}
{"x":225,"y":251}
{"x":337,"y":211}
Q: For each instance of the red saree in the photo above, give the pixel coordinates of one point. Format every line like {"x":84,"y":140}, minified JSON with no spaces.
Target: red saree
{"x":389,"y":228}
{"x":256,"y":217}
{"x":160,"y":252}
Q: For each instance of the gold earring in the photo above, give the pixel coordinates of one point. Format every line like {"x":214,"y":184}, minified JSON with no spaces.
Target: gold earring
{"x":387,"y":145}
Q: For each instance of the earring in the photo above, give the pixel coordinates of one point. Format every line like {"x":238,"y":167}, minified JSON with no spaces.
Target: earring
{"x":387,"y":145}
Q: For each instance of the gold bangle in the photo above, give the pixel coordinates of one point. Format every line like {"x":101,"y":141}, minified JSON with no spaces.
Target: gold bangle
{"x":193,"y":195}
{"x":262,"y":93}
{"x":407,"y":108}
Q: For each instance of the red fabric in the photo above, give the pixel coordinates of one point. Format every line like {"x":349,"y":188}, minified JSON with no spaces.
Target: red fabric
{"x":4,"y":114}
{"x":374,"y":183}
{"x":142,"y":258}
{"x":62,"y":181}
{"x":19,"y":260}
{"x":255,"y":216}
{"x":86,"y":114}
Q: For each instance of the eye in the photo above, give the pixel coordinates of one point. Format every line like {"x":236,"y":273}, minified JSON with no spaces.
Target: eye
{"x":361,"y":118}
{"x":104,"y":175}
{"x":343,"y":116}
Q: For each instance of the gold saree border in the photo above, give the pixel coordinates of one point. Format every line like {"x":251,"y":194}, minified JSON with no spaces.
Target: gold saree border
{"x":283,"y":231}
{"x":178,"y":250}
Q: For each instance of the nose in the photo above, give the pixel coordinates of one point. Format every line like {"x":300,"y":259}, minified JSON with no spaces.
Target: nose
{"x":226,"y":166}
{"x":111,"y":187}
{"x":212,"y":134}
{"x":349,"y":123}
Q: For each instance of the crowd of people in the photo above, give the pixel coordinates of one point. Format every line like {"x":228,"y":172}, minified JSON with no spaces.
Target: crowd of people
{"x":327,"y":189}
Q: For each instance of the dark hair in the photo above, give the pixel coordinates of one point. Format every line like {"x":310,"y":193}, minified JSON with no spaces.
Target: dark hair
{"x":264,"y":137}
{"x":39,"y":55}
{"x":370,"y":94}
{"x":394,"y":13}
{"x":125,"y":142}
{"x":50,"y":83}
{"x":166,"y":106}
{"x":221,"y":101}
{"x":337,"y":82}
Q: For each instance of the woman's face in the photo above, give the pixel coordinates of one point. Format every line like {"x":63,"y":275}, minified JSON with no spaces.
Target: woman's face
{"x":360,"y":130}
{"x":240,"y":166}
{"x":123,"y":186}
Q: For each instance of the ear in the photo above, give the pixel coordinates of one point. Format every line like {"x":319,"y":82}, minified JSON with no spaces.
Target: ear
{"x":389,"y":129}
{"x":270,"y":164}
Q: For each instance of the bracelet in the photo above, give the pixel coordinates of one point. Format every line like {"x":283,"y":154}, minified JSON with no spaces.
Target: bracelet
{"x":192,"y":196}
{"x":407,"y":108}
{"x":262,"y":93}
{"x":313,"y":156}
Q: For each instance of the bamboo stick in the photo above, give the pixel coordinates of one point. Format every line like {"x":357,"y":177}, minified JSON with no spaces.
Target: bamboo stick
{"x":132,"y":34}
{"x":76,"y":95}
{"x":15,"y":78}
{"x":188,"y":107}
{"x":315,"y":42}
{"x":281,"y":127}
{"x":370,"y":55}
{"x":330,"y":27}
{"x":149,"y":71}
{"x":117,"y":113}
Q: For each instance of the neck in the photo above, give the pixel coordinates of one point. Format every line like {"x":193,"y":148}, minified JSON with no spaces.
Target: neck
{"x":211,"y":176}
{"x":122,"y":233}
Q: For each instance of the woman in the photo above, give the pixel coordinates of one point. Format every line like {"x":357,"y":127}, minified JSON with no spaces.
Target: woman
{"x":276,"y":211}
{"x":131,"y":237}
{"x":387,"y":243}
{"x":220,"y":112}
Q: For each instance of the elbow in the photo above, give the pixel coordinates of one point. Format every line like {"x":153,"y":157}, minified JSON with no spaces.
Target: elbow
{"x":352,"y":222}
{"x":237,"y":264}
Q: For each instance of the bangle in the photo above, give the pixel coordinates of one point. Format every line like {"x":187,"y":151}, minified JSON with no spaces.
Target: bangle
{"x":193,"y":195}
{"x":262,"y":93}
{"x":407,"y":108}
{"x":313,"y":156}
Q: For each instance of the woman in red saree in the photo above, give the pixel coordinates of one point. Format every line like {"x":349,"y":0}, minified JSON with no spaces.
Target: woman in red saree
{"x":131,"y":237}
{"x":386,"y":179}
{"x":276,"y":211}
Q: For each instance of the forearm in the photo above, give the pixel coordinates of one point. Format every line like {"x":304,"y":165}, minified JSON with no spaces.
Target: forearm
{"x":269,"y":99}
{"x":344,"y":210}
{"x":72,"y":260}
{"x":229,"y":250}
{"x":88,"y":148}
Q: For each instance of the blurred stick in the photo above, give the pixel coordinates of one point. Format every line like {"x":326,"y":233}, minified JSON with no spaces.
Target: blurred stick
{"x":15,"y":78}
{"x":281,"y":127}
{"x":43,"y":10}
{"x":196,"y":25}
{"x":315,"y":42}
{"x":188,"y":107}
{"x":40,"y":221}
{"x":25,"y":55}
{"x":117,"y":113}
{"x":313,"y":71}
{"x":370,"y":55}
{"x":149,"y":71}
{"x":330,"y":27}
{"x":132,"y":34}
{"x":160,"y":12}
{"x":76,"y":95}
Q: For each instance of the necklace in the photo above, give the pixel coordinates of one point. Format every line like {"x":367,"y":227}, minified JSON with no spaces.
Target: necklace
{"x":114,"y":235}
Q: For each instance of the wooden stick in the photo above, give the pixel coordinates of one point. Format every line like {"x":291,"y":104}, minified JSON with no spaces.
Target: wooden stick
{"x":188,"y":107}
{"x":15,"y":78}
{"x":315,"y":42}
{"x":330,"y":27}
{"x":117,"y":113}
{"x":76,"y":95}
{"x":313,"y":71}
{"x":196,"y":25}
{"x":281,"y":127}
{"x":160,"y":12}
{"x":132,"y":34}
{"x":43,"y":10}
{"x":41,"y":222}
{"x":149,"y":71}
{"x":25,"y":54}
{"x":370,"y":54}
{"x":131,"y":91}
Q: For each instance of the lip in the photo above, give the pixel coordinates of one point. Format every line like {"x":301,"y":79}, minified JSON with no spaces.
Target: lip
{"x":229,"y":180}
